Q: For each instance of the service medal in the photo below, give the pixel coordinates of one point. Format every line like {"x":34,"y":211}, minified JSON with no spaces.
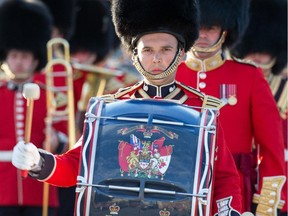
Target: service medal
{"x":228,"y":93}
{"x":232,"y":100}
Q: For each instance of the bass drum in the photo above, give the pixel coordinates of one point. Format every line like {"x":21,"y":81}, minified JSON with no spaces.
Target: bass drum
{"x":146,"y":157}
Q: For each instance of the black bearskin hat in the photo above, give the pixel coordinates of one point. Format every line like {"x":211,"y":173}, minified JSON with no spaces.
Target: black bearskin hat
{"x":134,"y":18}
{"x":94,"y":28}
{"x":230,"y":15}
{"x":266,"y":33}
{"x":25,"y":25}
{"x":63,"y":12}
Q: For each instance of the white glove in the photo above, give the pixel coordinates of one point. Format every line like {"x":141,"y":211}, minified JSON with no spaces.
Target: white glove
{"x":25,"y":156}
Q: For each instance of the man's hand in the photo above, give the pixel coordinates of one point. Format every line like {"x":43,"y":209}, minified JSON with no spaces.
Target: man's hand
{"x":25,"y":156}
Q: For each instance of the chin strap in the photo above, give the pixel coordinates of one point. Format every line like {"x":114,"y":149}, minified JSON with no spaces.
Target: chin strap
{"x":268,"y":65}
{"x":213,"y":48}
{"x":171,"y":69}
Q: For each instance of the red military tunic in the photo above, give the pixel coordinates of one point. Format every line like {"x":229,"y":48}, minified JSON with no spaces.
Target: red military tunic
{"x":63,"y":170}
{"x":251,"y":111}
{"x":14,"y":190}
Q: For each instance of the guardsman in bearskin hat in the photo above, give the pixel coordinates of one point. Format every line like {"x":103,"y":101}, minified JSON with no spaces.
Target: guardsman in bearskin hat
{"x":63,"y":12}
{"x":158,"y":40}
{"x":243,"y":87}
{"x":25,"y":28}
{"x":33,"y":40}
{"x":267,"y":18}
{"x":91,"y":46}
{"x":265,"y":43}
{"x":120,"y":60}
{"x":93,"y":32}
{"x":64,"y":15}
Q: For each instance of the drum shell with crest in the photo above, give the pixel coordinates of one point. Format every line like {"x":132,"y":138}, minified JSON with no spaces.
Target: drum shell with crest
{"x":146,"y":157}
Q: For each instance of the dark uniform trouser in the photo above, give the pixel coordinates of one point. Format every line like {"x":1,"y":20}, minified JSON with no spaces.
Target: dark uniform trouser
{"x":245,"y":163}
{"x":25,"y":211}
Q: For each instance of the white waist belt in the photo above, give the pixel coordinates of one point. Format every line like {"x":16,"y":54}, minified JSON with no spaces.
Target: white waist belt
{"x":5,"y":156}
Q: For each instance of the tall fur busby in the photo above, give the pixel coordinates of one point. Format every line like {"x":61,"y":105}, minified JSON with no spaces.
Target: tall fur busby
{"x":266,"y":33}
{"x":133,"y":18}
{"x":25,"y":25}
{"x":63,"y":12}
{"x":94,"y":28}
{"x":230,"y":15}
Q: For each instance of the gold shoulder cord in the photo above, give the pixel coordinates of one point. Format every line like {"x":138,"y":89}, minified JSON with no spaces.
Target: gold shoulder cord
{"x":208,"y":101}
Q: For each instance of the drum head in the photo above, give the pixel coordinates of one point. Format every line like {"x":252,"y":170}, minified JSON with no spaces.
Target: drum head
{"x":145,"y":157}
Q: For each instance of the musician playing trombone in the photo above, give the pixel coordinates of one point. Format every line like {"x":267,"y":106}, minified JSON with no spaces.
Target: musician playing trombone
{"x":157,"y":39}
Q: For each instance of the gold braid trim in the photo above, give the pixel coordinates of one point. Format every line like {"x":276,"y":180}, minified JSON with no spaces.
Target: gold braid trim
{"x":213,"y":102}
{"x":269,"y":199}
{"x":208,"y":101}
{"x":123,"y":91}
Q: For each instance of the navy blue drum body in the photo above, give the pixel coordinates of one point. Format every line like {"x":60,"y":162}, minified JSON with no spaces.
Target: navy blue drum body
{"x":146,"y":157}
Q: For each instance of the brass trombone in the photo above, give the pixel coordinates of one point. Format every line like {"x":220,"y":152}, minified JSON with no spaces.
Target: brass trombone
{"x":95,"y":83}
{"x":69,"y":112}
{"x":53,"y":113}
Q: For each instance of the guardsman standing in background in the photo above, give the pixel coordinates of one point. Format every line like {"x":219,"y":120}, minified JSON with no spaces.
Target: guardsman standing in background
{"x":63,"y":12}
{"x":265,"y":43}
{"x":25,"y":28}
{"x":91,"y":46}
{"x":120,"y":60}
{"x":251,"y":112}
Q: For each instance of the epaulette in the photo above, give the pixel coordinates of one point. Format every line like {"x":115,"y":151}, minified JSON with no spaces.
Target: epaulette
{"x":123,"y":91}
{"x":108,"y":98}
{"x":208,"y":101}
{"x":244,"y":61}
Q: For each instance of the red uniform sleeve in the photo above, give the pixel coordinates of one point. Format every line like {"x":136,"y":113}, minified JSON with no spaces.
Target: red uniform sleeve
{"x":226,"y":179}
{"x":62,"y":170}
{"x":267,"y":130}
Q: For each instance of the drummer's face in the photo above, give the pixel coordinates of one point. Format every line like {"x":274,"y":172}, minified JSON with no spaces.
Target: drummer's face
{"x":156,"y":52}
